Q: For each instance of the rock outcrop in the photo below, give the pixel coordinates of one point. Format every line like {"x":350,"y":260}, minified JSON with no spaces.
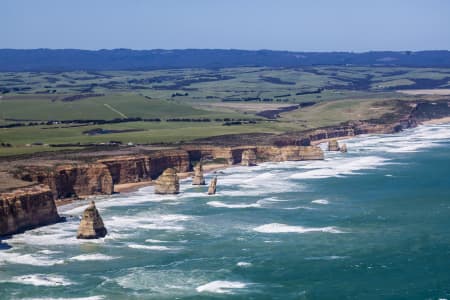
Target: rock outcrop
{"x":91,"y":225}
{"x":198,"y":175}
{"x":27,"y":208}
{"x":168,"y":182}
{"x":212,"y":186}
{"x":160,"y":161}
{"x":126,"y":169}
{"x":248,"y":158}
{"x":343,"y":148}
{"x":333,"y":145}
{"x":72,"y":180}
{"x":289,"y":153}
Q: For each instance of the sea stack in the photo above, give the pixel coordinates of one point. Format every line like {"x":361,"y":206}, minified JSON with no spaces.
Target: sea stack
{"x":198,"y":175}
{"x":248,"y":158}
{"x":343,"y":148}
{"x":168,"y":182}
{"x":333,"y":145}
{"x":91,"y":225}
{"x":212,"y":186}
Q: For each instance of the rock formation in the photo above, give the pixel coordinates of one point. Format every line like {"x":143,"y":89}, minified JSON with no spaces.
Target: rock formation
{"x":248,"y":158}
{"x":290,"y":153}
{"x":72,"y":180}
{"x":343,"y":148}
{"x":333,"y":145}
{"x":212,"y":186}
{"x":126,"y":169}
{"x":27,"y":208}
{"x":168,"y":182}
{"x":198,"y":175}
{"x":91,"y":225}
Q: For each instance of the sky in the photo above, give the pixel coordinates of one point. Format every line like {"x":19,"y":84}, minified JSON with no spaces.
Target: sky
{"x":295,"y":25}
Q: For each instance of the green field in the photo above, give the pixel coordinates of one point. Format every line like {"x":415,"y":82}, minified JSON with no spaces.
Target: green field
{"x":339,"y":94}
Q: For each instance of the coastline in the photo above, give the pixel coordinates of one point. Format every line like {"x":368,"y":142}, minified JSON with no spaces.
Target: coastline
{"x":134,"y":186}
{"x":125,"y":188}
{"x":438,"y":121}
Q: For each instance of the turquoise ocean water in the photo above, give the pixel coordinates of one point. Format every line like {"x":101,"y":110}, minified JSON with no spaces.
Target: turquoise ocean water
{"x":370,"y":224}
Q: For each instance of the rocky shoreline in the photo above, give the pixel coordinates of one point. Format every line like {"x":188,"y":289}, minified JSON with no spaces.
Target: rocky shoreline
{"x":46,"y":181}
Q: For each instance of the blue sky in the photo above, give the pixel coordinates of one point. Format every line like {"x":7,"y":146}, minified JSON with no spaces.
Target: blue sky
{"x":310,"y":25}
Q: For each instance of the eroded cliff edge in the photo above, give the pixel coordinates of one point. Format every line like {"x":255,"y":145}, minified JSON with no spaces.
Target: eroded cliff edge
{"x":27,"y":208}
{"x":37,"y":182}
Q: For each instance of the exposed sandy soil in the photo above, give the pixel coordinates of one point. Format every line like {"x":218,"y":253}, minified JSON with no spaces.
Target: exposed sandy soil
{"x":440,"y":92}
{"x":244,"y":107}
{"x":437,"y":121}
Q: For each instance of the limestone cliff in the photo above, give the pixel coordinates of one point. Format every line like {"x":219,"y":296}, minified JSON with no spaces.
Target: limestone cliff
{"x":289,"y":153}
{"x":27,"y":208}
{"x":72,"y":180}
{"x":126,"y":169}
{"x":168,"y":182}
{"x":198,"y":175}
{"x":212,"y":186}
{"x":160,"y":161}
{"x":91,"y":225}
{"x":248,"y":158}
{"x":333,"y":145}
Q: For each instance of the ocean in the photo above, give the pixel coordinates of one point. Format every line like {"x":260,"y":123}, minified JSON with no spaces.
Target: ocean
{"x":373,"y":223}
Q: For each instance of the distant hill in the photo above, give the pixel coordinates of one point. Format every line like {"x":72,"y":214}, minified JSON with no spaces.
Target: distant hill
{"x":40,"y":60}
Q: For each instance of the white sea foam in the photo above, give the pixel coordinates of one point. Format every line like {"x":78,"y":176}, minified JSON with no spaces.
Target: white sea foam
{"x":95,"y":256}
{"x":237,"y":205}
{"x":46,"y":251}
{"x":100,"y":297}
{"x":153,"y":248}
{"x":320,"y":201}
{"x":339,"y":167}
{"x":299,"y":207}
{"x":41,"y":280}
{"x":283,"y":228}
{"x":170,"y":222}
{"x":221,"y":287}
{"x":331,"y":257}
{"x":243,"y":264}
{"x":28,"y":259}
{"x":155,"y":241}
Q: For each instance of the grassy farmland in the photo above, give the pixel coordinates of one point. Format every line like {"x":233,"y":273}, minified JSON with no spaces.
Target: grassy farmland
{"x":203,"y":102}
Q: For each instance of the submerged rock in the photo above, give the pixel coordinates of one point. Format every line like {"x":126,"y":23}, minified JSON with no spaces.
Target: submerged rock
{"x":333,"y":145}
{"x":91,"y":225}
{"x":248,"y":158}
{"x":343,"y":148}
{"x":168,"y":182}
{"x":198,"y":175}
{"x":212,"y":186}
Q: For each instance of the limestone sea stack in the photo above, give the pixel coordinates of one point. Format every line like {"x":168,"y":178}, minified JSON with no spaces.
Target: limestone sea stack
{"x":333,"y":145}
{"x":198,"y":175}
{"x":91,"y":225}
{"x":248,"y":158}
{"x":343,"y":148}
{"x":168,"y":182}
{"x":212,"y":186}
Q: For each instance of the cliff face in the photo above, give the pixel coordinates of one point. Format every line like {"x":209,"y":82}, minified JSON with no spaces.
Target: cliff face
{"x":91,"y":225}
{"x":74,"y":180}
{"x":248,"y":158}
{"x":168,"y":182}
{"x":125,"y":169}
{"x":177,"y":159}
{"x":292,"y":153}
{"x":26,"y":208}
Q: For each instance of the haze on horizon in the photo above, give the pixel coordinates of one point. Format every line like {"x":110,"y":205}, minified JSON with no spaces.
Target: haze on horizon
{"x":320,"y":25}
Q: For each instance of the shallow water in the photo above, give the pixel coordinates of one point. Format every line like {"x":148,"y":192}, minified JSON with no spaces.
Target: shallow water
{"x":373,"y":223}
